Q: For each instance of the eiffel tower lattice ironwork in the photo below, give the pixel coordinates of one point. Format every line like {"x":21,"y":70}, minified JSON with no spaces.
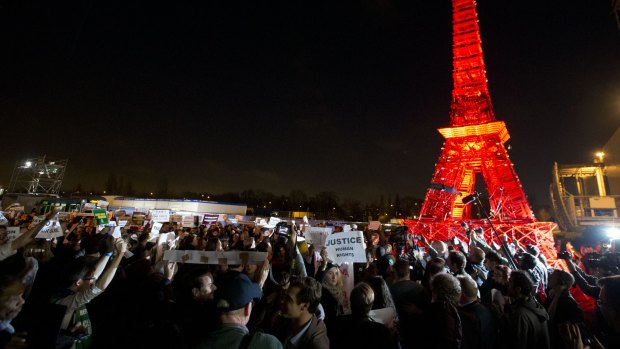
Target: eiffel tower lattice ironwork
{"x":474,"y":144}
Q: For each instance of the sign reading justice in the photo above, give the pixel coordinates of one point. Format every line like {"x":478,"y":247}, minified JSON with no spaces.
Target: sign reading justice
{"x":346,"y":247}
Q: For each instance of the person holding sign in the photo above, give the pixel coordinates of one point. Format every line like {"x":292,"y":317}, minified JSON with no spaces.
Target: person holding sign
{"x":9,"y":248}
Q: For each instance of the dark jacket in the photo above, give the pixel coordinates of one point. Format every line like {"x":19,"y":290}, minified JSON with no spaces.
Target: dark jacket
{"x":525,"y":325}
{"x":349,"y":331}
{"x":479,"y":326}
{"x":314,"y":338}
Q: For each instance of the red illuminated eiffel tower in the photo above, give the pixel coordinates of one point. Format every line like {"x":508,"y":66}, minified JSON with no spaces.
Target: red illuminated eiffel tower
{"x":475,"y":145}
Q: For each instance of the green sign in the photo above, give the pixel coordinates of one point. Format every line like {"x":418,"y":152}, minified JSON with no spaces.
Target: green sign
{"x":101,"y":216}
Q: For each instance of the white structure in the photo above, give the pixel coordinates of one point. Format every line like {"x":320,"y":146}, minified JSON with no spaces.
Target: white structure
{"x":194,"y":206}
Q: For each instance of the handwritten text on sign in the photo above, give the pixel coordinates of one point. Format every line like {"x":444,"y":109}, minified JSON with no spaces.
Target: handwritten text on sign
{"x":346,"y":247}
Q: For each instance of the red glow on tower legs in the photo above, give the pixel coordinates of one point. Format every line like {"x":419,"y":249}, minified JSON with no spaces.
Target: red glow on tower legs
{"x":475,"y":145}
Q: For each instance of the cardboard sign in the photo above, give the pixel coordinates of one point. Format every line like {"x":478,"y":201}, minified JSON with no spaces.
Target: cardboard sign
{"x":137,"y":218}
{"x":346,"y":247}
{"x":101,"y":216}
{"x":317,"y":235}
{"x":217,"y":258}
{"x":160,"y":215}
{"x":13,"y":233}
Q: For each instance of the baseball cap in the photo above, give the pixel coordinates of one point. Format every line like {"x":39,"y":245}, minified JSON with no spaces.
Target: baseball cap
{"x":234,"y":291}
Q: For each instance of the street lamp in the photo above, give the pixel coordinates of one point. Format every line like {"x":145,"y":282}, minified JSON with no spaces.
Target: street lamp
{"x":600,"y":155}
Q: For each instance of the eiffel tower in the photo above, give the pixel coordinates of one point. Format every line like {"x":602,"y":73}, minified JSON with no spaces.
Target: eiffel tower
{"x":474,"y":145}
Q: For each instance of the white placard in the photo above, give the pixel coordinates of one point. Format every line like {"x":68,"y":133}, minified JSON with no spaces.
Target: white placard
{"x":122,"y":222}
{"x":154,"y":234}
{"x":13,"y":233}
{"x":188,"y":222}
{"x":51,"y":230}
{"x":346,"y":247}
{"x":317,"y":235}
{"x":212,"y":257}
{"x":117,"y":232}
{"x":160,"y":215}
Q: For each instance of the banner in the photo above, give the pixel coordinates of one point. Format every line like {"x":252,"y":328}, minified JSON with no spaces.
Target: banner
{"x":346,"y":247}
{"x":317,"y":236}
{"x":101,"y":216}
{"x":13,"y":233}
{"x":213,"y":257}
{"x":160,"y":215}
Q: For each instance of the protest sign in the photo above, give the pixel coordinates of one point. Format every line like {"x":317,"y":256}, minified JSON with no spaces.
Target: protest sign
{"x":176,"y":218}
{"x":317,"y":235}
{"x":117,"y":233}
{"x":160,"y":215}
{"x":101,"y":216}
{"x":346,"y":247}
{"x":162,"y":241}
{"x":50,"y":230}
{"x":3,"y":220}
{"x":122,"y":222}
{"x":210,"y":218}
{"x":188,"y":222}
{"x":13,"y":233}
{"x":88,"y":206}
{"x":215,"y":257}
{"x":154,"y":234}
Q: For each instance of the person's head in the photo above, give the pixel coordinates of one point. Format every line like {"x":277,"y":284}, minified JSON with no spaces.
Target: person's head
{"x":436,"y":266}
{"x":202,"y":286}
{"x":456,"y":261}
{"x":78,"y":275}
{"x":560,"y":279}
{"x":532,"y":249}
{"x":440,"y":247}
{"x":469,"y":289}
{"x":362,"y":298}
{"x":476,"y":255}
{"x":445,"y":287}
{"x":234,"y":296}
{"x":302,"y":298}
{"x":520,"y":285}
{"x":609,"y":300}
{"x":491,"y":259}
{"x":501,"y":274}
{"x":332,"y":277}
{"x":401,"y":267}
{"x":11,"y":301}
{"x":527,"y":261}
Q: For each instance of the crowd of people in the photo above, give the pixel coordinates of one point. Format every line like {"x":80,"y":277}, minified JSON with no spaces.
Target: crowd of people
{"x":88,"y":289}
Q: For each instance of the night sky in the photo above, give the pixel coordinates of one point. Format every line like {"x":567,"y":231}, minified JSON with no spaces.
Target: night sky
{"x":342,"y":96}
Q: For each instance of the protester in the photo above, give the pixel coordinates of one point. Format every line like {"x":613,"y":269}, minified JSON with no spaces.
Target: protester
{"x":524,"y":320}
{"x":358,"y":329}
{"x":443,"y":320}
{"x":233,"y":300}
{"x":478,"y":322}
{"x":303,"y":330}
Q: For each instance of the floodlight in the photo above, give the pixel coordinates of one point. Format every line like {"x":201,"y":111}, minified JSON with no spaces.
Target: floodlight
{"x":613,"y":233}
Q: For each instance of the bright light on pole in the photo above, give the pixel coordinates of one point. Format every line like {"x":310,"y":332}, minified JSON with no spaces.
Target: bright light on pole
{"x":600,"y":155}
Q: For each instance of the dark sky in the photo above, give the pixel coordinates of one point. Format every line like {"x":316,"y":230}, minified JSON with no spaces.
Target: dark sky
{"x":342,"y":96}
